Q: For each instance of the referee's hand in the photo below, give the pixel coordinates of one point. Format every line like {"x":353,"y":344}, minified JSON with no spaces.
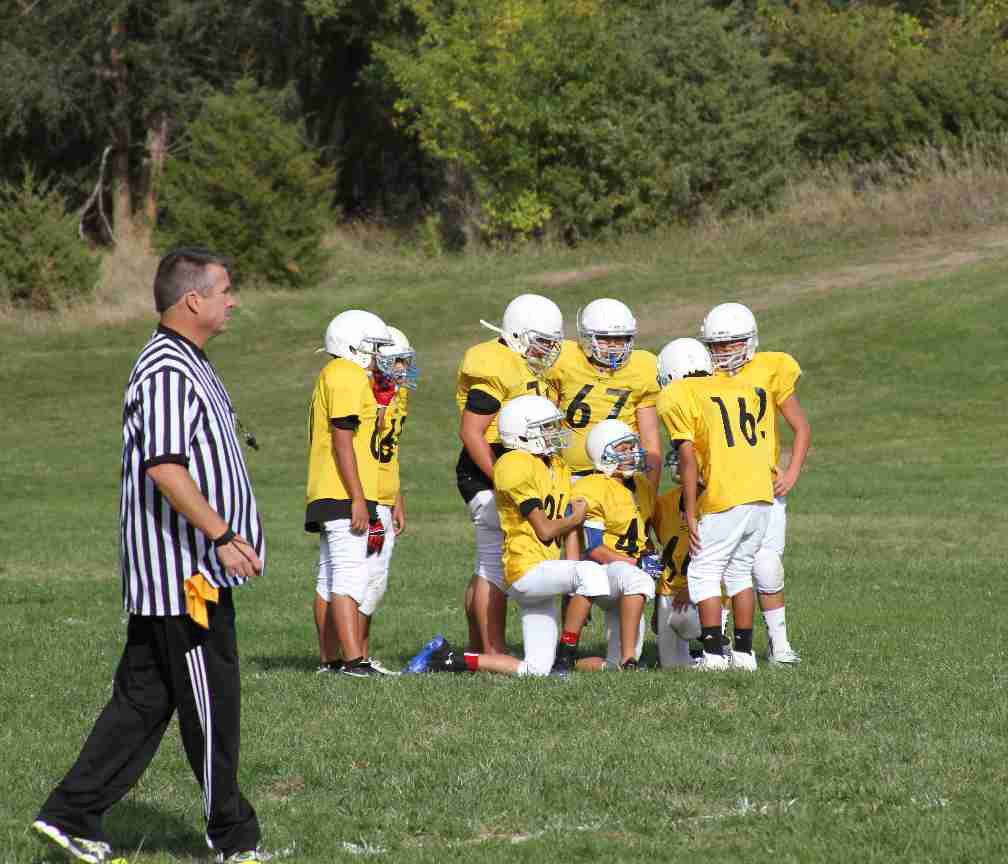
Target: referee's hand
{"x":239,"y":558}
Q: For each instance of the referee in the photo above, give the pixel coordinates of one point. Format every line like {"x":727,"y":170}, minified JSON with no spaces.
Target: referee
{"x":190,"y":532}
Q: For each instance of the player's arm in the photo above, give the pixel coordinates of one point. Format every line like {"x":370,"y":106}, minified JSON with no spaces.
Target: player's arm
{"x":647,"y":427}
{"x":472,"y":431}
{"x":177,"y":485}
{"x":689,"y":472}
{"x":572,"y":548}
{"x":791,"y":410}
{"x":399,"y":514}
{"x":342,"y":433}
{"x":602,"y":554}
{"x":547,"y":530}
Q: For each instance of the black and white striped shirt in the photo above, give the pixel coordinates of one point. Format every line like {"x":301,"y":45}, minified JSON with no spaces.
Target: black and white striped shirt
{"x":177,"y":410}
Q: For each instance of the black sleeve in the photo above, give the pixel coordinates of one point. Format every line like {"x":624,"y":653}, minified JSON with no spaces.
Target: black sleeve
{"x":526,"y":507}
{"x":349,"y":423}
{"x":481,"y":402}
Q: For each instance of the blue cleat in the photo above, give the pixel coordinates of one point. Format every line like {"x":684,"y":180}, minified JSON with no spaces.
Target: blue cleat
{"x":419,"y":662}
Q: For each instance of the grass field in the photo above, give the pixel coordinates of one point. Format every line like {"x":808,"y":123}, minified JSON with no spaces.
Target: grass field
{"x":888,"y":743}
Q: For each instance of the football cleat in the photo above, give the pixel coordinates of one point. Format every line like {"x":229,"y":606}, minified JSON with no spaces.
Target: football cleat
{"x":783,"y":656}
{"x":251,"y":856}
{"x":418,"y":662}
{"x":743,"y":660}
{"x":563,"y":663}
{"x":379,"y":668}
{"x":712,"y":663}
{"x":447,"y":659}
{"x":74,"y":848}
{"x":329,"y":666}
{"x":630,"y":665}
{"x":359,"y":669}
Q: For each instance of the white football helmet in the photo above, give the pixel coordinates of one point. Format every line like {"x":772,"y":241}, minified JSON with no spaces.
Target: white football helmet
{"x":398,"y":360}
{"x":533,"y":327}
{"x":726,"y":323}
{"x":613,"y":448}
{"x":356,"y":335}
{"x":534,"y":424}
{"x":603,"y":320}
{"x":683,"y":358}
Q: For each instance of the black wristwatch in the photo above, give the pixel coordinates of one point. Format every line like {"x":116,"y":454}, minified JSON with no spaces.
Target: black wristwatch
{"x":224,"y":539}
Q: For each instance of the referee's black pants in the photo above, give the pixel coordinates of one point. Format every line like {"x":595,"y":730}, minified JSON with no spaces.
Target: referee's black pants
{"x":168,"y":663}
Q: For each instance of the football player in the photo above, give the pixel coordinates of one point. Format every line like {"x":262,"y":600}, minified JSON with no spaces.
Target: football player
{"x":491,"y":373}
{"x":541,"y":552}
{"x":729,"y":331}
{"x":396,"y":375}
{"x":721,"y":444}
{"x":675,"y":620}
{"x":620,"y":504}
{"x":602,"y":377}
{"x":343,"y":484}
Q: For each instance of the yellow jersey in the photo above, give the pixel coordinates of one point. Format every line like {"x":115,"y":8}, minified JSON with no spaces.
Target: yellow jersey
{"x":670,"y":526}
{"x":385,"y":443}
{"x":489,"y":375}
{"x":620,"y":509}
{"x":524,"y":482}
{"x":718,"y":415}
{"x":775,"y":375}
{"x":587,"y":393}
{"x":342,"y":397}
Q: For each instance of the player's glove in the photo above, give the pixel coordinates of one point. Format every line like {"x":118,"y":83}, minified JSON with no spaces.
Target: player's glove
{"x":375,"y":537}
{"x":652,"y":565}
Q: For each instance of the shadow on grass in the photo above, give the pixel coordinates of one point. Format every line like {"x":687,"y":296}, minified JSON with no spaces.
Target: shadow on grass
{"x":133,"y":826}
{"x":303,"y":662}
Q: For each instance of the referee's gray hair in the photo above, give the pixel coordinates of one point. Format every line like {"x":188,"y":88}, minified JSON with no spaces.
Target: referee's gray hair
{"x":183,"y":270}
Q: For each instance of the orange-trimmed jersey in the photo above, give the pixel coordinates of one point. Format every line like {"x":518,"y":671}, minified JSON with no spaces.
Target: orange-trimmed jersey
{"x":386,"y":444}
{"x":776,"y":375}
{"x":586,"y":394}
{"x":343,"y":390}
{"x":497,"y":371}
{"x":620,"y":509}
{"x":718,"y":415}
{"x":669,"y":522}
{"x":523,"y":482}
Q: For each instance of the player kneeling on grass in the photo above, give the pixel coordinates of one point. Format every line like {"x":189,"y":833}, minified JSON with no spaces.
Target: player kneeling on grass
{"x":722,"y":445}
{"x":533,"y":491}
{"x":620,"y":503}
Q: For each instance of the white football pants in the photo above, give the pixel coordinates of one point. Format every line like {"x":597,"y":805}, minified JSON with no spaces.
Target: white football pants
{"x":489,"y":538}
{"x":728,"y":544}
{"x":536,"y":594}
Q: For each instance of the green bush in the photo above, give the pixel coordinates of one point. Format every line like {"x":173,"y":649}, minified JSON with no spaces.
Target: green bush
{"x":244,"y":182}
{"x":43,"y":263}
{"x":873,"y":81}
{"x":586,"y":117}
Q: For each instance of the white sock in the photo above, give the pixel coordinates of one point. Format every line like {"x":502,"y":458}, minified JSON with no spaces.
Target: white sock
{"x":724,"y":619}
{"x":776,"y":625}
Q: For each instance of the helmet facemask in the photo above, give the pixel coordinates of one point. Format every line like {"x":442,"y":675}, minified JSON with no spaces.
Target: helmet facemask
{"x":545,"y":437}
{"x":614,"y":354}
{"x":730,"y":360}
{"x":539,"y":349}
{"x":365,"y":353}
{"x":623,"y":457}
{"x":399,"y":366}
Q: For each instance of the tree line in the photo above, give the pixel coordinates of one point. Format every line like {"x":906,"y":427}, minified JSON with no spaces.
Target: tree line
{"x":496,"y":120}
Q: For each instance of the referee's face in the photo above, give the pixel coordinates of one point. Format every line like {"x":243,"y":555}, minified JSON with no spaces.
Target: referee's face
{"x":215,"y":308}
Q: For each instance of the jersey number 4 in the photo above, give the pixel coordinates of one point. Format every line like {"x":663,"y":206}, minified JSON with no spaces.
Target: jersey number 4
{"x":579,"y":412}
{"x":747,"y":421}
